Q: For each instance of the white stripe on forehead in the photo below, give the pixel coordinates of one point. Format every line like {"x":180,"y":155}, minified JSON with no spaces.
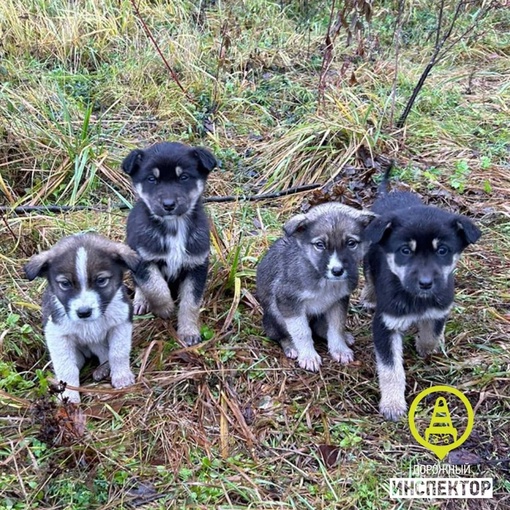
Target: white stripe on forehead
{"x":81,"y":267}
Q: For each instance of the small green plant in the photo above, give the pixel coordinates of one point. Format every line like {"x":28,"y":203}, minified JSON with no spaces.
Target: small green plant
{"x":460,"y":176}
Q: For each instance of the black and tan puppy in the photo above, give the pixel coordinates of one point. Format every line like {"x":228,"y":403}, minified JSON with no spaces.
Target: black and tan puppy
{"x":305,"y":280}
{"x":85,"y":307}
{"x":169,"y":229}
{"x":409,"y":273}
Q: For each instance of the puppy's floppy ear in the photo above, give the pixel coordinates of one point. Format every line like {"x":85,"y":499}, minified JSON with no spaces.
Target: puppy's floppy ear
{"x":366,"y":217}
{"x":467,"y":229}
{"x":38,"y":265}
{"x":297,"y":223}
{"x":132,"y":161}
{"x":126,"y":256}
{"x":378,"y":229}
{"x":206,"y":159}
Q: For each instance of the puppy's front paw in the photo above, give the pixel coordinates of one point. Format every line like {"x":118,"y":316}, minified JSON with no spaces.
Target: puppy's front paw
{"x":367,"y":298}
{"x":101,"y":372}
{"x":72,"y":396}
{"x":190,"y":340}
{"x":310,"y":361}
{"x":140,"y":305}
{"x":343,"y":355}
{"x":393,"y":409}
{"x":123,"y":379}
{"x":289,"y":349}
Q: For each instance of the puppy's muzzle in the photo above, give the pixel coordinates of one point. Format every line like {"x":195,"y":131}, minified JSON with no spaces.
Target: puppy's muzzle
{"x":425,"y":283}
{"x":169,"y":205}
{"x":84,"y":312}
{"x":337,"y":271}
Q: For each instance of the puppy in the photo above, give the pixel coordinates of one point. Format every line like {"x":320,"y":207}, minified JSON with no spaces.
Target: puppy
{"x":85,"y":307}
{"x":169,"y":229}
{"x":409,"y":279}
{"x":305,"y":280}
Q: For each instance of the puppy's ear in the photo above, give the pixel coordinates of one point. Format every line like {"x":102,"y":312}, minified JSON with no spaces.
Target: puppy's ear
{"x":206,"y":159}
{"x":38,"y":265}
{"x":295,"y":224}
{"x":466,"y":229}
{"x":126,"y":256}
{"x":378,"y":229}
{"x":132,"y":161}
{"x":366,"y":217}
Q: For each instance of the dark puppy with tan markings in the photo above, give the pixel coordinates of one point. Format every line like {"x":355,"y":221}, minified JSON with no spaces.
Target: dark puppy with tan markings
{"x":305,"y":279}
{"x":409,"y":279}
{"x":85,"y":307}
{"x":169,"y":229}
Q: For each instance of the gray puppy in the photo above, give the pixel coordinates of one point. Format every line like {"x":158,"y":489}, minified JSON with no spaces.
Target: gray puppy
{"x":305,"y":280}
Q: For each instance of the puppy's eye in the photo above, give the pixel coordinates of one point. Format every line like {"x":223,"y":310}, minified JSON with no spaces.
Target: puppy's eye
{"x":320,"y":245}
{"x":102,"y":281}
{"x":183,"y":177}
{"x":65,"y":284}
{"x":442,"y":250}
{"x":152,"y":179}
{"x":352,"y":243}
{"x":405,"y":250}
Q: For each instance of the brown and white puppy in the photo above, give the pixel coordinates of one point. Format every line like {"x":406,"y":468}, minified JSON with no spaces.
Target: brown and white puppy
{"x":169,"y":229}
{"x":409,"y":270}
{"x":305,"y":280}
{"x":85,"y":307}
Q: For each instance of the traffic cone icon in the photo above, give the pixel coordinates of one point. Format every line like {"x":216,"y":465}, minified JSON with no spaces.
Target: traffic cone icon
{"x":441,"y":422}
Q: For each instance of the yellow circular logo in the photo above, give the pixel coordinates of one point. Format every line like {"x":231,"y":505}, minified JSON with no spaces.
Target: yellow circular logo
{"x":441,"y":436}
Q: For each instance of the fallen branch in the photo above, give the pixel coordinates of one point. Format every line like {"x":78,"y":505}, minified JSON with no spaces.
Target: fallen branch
{"x":25,"y":209}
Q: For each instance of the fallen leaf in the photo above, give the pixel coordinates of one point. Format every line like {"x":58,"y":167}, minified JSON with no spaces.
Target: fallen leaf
{"x":329,"y":454}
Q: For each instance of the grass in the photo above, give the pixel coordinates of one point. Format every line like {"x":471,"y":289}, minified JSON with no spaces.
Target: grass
{"x":232,"y":423}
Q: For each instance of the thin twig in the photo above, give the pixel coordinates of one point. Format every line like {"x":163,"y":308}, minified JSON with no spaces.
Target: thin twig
{"x":158,"y":49}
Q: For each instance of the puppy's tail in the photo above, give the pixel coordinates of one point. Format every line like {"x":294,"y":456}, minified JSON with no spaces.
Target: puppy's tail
{"x":384,"y":186}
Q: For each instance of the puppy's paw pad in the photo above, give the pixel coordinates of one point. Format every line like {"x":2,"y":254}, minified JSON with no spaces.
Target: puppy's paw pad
{"x":393,"y":409}
{"x":101,"y":372}
{"x":123,"y":379}
{"x":311,"y":361}
{"x":190,"y":340}
{"x":343,"y":356}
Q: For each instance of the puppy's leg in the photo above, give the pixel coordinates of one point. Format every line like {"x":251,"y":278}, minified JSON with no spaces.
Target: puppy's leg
{"x":368,"y":292}
{"x":66,"y":359}
{"x":430,"y":335}
{"x":338,"y":338}
{"x":191,"y":292}
{"x":119,"y":348}
{"x":152,"y":292}
{"x":274,"y":331}
{"x":390,"y":367}
{"x":301,"y":335}
{"x":101,"y":350}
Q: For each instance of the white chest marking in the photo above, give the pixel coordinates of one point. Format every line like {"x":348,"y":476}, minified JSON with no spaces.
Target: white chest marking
{"x":406,"y":321}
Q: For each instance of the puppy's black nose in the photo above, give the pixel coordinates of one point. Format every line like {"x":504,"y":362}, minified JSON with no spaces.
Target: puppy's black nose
{"x":84,"y":312}
{"x":337,"y":271}
{"x":169,"y":204}
{"x":425,"y":283}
